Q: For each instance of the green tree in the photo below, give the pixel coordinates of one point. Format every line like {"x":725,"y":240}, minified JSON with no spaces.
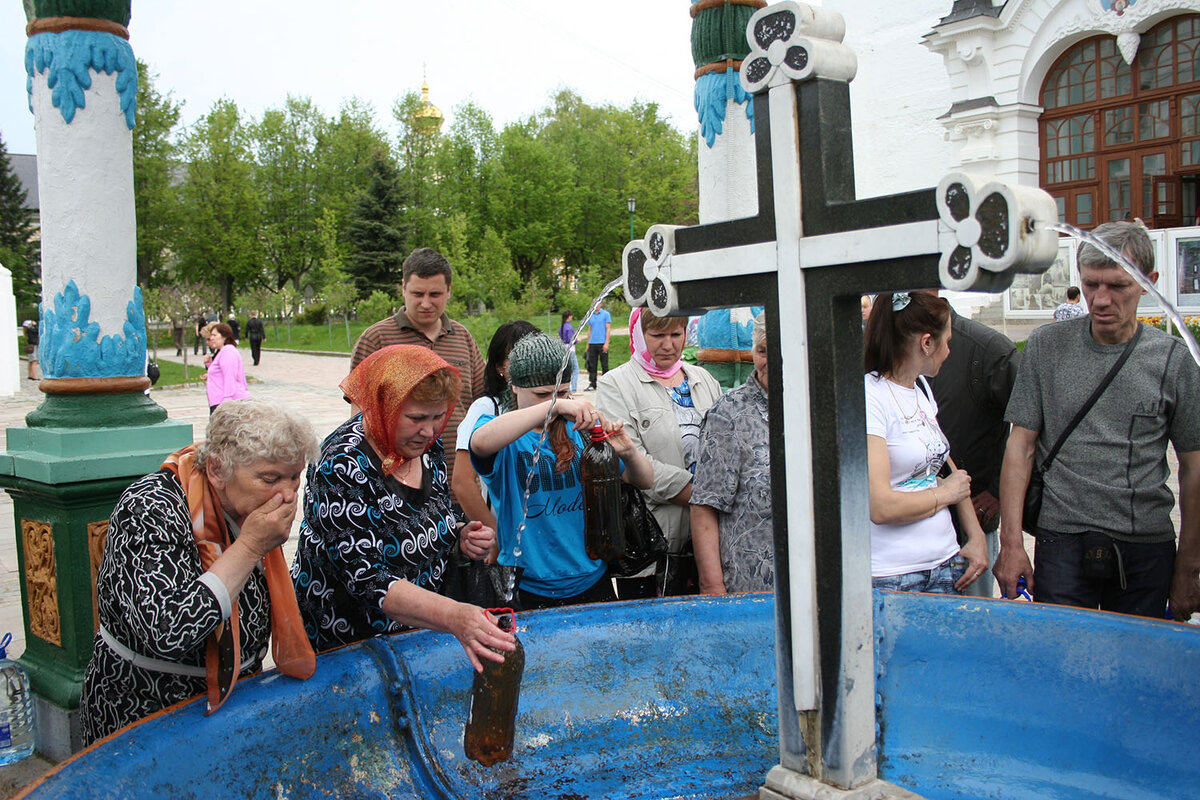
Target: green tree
{"x":534,"y":202}
{"x":378,"y":244}
{"x":465,"y":160}
{"x":415,"y":184}
{"x":285,"y":143}
{"x":19,"y":251}
{"x":155,"y":158}
{"x":619,"y":153}
{"x":219,"y":230}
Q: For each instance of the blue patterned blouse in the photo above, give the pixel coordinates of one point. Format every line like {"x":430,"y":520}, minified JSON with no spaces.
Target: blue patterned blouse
{"x":363,"y":531}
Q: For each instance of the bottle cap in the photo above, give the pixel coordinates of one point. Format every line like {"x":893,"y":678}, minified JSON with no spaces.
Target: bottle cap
{"x":506,"y":617}
{"x":598,"y":434}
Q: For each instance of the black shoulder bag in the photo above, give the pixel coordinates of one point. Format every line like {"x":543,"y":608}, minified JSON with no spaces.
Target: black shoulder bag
{"x":1037,"y":479}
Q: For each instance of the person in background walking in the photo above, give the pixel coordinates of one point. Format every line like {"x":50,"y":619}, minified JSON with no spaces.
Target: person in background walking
{"x":566,"y":332}
{"x":256,"y":333}
{"x":226,"y":375}
{"x":200,"y":323}
{"x":599,"y":334}
{"x":236,"y":327}
{"x":177,"y":335}
{"x":31,"y":346}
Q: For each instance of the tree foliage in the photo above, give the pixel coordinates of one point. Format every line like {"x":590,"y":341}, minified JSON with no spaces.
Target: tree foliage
{"x":155,"y":165}
{"x":219,"y":239}
{"x":302,"y":204}
{"x":373,"y":227}
{"x":19,"y":250}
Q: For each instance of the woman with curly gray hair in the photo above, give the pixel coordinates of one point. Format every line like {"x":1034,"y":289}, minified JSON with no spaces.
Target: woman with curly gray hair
{"x":183,"y":607}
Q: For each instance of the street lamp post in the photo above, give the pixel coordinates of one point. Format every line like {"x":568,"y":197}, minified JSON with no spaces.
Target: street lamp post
{"x":632,"y":204}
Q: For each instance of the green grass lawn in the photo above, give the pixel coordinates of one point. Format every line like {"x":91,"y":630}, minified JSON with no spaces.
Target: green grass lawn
{"x":334,"y":339}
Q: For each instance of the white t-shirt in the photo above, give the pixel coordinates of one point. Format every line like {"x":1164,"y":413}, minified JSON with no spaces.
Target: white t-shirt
{"x":907,"y":420}
{"x":484,"y":405}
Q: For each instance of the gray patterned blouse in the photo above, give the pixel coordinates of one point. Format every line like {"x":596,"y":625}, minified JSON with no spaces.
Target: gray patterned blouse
{"x":733,"y":475}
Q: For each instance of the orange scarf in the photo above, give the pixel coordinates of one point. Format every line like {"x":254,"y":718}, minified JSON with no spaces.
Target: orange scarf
{"x":290,"y":647}
{"x":380,"y":386}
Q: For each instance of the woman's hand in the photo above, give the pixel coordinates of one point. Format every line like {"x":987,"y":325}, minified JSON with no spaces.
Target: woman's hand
{"x":954,"y":488}
{"x":475,"y":540}
{"x":478,"y":633}
{"x":269,"y":525}
{"x":581,"y":413}
{"x":975,"y":552}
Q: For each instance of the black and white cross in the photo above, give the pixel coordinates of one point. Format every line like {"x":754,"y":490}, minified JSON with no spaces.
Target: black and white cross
{"x":809,"y":254}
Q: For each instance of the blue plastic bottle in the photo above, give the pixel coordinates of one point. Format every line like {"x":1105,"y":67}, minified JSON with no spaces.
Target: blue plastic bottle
{"x":16,"y":708}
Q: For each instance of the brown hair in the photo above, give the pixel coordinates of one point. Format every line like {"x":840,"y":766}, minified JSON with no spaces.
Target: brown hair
{"x":561,"y":444}
{"x":436,"y":387}
{"x":889,"y":331}
{"x":223,"y":329}
{"x":653,"y":322}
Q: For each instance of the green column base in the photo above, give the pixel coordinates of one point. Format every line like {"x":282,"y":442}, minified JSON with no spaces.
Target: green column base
{"x":64,"y":483}
{"x":93,"y":410}
{"x":730,"y":374}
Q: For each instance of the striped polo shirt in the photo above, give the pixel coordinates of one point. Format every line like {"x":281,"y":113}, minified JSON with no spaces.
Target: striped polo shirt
{"x":454,"y":343}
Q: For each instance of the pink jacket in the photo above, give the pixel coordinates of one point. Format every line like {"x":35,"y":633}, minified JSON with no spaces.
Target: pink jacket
{"x":226,"y":376}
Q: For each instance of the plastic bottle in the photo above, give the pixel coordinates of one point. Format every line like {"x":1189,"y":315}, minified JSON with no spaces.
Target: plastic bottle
{"x":16,"y":708}
{"x":491,"y":719}
{"x":604,"y":525}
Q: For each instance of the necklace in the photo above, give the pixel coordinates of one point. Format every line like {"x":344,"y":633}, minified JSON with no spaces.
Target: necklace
{"x":918,"y":412}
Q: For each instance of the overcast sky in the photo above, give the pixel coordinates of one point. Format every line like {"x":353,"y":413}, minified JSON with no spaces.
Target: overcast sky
{"x":508,"y":56}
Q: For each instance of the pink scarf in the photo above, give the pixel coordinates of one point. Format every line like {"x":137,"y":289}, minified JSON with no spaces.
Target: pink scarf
{"x":637,"y":345}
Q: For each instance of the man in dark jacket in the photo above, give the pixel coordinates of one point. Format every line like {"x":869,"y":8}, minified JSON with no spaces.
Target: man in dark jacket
{"x":972,"y":390}
{"x":256,"y":333}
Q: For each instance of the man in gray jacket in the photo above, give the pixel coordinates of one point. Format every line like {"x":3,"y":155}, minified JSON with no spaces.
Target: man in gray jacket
{"x":1104,"y":536}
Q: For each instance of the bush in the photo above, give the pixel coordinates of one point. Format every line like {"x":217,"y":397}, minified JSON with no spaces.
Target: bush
{"x":315,"y":314}
{"x":376,"y":307}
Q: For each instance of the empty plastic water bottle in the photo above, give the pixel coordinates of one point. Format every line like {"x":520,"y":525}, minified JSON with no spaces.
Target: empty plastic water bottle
{"x":16,"y":708}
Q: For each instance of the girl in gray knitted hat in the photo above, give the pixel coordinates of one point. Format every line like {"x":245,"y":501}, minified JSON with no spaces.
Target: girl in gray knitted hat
{"x":556,"y":569}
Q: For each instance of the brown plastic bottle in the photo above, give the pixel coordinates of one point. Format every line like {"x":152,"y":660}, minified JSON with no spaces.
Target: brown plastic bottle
{"x":491,"y":719}
{"x":604,"y":525}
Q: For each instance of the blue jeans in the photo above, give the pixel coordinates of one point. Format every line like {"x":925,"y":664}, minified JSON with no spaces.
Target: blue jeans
{"x":939,"y":580}
{"x":575,"y":370}
{"x":1147,"y":568}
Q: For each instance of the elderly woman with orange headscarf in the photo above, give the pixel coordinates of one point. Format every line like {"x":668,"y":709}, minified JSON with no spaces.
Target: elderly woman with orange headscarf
{"x":379,"y":527}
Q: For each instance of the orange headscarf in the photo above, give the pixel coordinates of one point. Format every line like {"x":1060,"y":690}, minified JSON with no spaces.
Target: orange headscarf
{"x":290,"y":647}
{"x":380,"y":386}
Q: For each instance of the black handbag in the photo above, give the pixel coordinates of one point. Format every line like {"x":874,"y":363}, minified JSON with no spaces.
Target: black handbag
{"x":1037,"y":478}
{"x":644,"y":540}
{"x":480,"y":584}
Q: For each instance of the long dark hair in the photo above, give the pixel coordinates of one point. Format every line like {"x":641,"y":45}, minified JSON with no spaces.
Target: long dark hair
{"x":503,"y":340}
{"x":889,"y":331}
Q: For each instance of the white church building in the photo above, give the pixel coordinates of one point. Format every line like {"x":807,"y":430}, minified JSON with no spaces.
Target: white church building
{"x":1096,"y":101}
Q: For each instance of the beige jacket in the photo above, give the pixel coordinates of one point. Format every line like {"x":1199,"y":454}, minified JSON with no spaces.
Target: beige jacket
{"x":629,"y":393}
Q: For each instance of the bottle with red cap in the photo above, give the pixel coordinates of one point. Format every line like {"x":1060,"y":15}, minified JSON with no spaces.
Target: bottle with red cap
{"x":491,"y":719}
{"x":604,"y":524}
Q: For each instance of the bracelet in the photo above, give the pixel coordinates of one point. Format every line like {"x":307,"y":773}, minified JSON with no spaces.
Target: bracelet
{"x":935,"y":501}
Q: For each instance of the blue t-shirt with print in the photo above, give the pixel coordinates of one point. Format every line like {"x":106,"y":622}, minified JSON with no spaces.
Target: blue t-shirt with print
{"x":596,"y":323}
{"x":552,"y":550}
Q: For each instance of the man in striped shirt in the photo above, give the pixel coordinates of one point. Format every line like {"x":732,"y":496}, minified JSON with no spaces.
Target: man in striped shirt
{"x":425,"y":284}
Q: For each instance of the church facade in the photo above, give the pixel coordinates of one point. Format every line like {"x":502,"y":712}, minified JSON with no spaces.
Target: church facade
{"x":1095,"y":101}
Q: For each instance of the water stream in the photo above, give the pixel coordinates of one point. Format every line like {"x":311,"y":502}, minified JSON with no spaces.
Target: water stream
{"x":1143,"y":281}
{"x":537,"y":452}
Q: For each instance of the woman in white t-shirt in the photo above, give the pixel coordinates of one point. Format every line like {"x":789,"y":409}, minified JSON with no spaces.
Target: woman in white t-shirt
{"x":913,"y":544}
{"x":468,"y":491}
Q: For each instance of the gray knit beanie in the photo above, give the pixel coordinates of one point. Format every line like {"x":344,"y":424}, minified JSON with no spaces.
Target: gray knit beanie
{"x":535,"y":361}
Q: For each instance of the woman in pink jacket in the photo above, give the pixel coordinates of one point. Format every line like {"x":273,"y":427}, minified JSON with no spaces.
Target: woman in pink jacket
{"x":226,"y":375}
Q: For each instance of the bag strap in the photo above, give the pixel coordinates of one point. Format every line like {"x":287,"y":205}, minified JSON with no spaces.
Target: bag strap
{"x":1091,"y":401}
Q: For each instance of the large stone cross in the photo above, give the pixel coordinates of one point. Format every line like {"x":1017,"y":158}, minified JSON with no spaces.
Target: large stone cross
{"x":808,"y":255}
